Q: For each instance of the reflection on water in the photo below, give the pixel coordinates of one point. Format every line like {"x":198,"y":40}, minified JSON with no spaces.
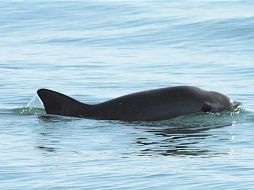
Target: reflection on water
{"x":179,"y":142}
{"x":185,"y":136}
{"x":47,"y":118}
{"x":193,"y":135}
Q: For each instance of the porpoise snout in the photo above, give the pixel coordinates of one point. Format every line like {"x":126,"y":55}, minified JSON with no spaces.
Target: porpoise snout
{"x":235,"y":104}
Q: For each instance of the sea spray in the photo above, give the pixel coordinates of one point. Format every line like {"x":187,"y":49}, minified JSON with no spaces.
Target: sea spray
{"x":34,"y":106}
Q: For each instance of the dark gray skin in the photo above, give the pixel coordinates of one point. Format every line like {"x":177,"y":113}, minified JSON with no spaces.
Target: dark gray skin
{"x":151,"y":105}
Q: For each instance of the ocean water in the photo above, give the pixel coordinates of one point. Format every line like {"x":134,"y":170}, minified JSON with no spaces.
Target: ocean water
{"x":97,"y":50}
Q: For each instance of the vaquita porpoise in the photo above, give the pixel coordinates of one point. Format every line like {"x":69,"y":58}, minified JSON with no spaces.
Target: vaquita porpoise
{"x":150,"y":105}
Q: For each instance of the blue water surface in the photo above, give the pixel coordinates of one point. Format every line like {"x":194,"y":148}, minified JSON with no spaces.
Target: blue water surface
{"x":98,"y":50}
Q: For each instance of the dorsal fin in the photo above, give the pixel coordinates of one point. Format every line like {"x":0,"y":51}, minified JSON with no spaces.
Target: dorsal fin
{"x":60,"y":104}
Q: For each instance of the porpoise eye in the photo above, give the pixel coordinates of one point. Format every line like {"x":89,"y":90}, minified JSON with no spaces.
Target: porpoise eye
{"x":206,"y":107}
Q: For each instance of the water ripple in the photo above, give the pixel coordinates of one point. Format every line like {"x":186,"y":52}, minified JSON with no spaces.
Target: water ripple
{"x":98,"y":50}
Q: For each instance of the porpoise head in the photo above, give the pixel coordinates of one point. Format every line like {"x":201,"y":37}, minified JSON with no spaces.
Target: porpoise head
{"x":217,"y":102}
